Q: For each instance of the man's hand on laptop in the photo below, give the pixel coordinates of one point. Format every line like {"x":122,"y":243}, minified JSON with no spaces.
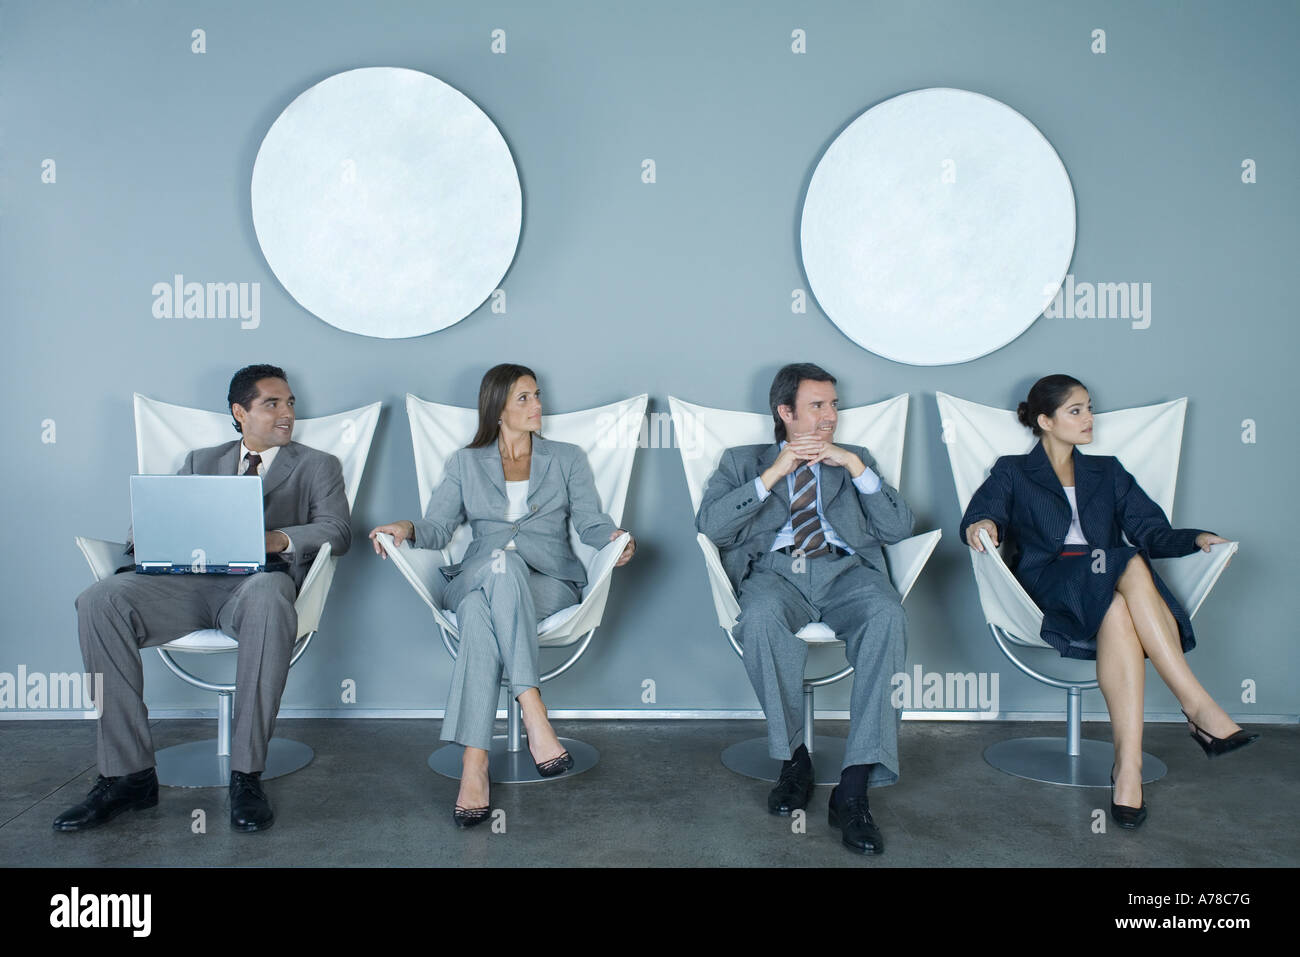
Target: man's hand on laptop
{"x":276,"y":542}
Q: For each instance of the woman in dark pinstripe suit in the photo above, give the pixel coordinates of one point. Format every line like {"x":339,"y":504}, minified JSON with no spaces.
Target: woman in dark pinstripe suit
{"x":1064,"y":513}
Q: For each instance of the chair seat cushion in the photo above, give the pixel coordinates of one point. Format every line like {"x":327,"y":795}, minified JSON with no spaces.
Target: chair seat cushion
{"x":206,"y":642}
{"x":549,"y":623}
{"x":816,"y":633}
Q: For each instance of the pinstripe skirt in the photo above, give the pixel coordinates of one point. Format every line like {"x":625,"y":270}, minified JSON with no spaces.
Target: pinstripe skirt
{"x":1076,"y":590}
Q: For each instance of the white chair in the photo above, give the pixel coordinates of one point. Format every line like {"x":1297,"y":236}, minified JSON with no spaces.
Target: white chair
{"x":609,"y":435}
{"x":703,"y":434}
{"x":1148,"y":442}
{"x":164,"y":434}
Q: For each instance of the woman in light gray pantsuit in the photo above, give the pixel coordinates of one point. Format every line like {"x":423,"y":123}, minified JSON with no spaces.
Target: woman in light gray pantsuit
{"x":518,"y":491}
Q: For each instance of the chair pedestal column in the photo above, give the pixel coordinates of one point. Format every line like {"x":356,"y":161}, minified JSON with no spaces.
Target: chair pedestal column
{"x":206,"y":764}
{"x":1071,"y":760}
{"x":751,"y":759}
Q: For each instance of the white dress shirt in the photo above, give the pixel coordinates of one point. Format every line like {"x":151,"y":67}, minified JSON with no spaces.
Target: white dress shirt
{"x":517,"y":493}
{"x":268,"y":456}
{"x":1075,"y":535}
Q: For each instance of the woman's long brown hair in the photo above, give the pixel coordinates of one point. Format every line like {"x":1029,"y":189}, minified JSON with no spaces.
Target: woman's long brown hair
{"x":493,"y":393}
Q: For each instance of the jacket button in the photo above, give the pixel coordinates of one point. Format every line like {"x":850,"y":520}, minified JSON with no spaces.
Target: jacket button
{"x":532,"y":508}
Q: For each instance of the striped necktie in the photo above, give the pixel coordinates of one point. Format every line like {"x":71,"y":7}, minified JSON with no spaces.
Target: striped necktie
{"x":809,"y":537}
{"x":254,"y":464}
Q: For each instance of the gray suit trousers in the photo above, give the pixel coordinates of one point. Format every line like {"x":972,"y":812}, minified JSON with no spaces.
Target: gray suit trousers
{"x":863,"y":609}
{"x":120,"y":615}
{"x":498,"y":604}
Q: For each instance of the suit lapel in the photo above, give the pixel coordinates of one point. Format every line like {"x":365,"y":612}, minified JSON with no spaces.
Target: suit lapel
{"x":285,"y":461}
{"x":832,"y":479}
{"x":489,"y":463}
{"x":1087,"y":479}
{"x":1040,"y":471}
{"x":538,"y":465}
{"x":228,"y":462}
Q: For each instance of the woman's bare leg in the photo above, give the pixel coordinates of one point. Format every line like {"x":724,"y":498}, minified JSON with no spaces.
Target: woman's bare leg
{"x":473,"y":779}
{"x":1121,"y":673}
{"x":1158,"y":633}
{"x":542,"y":740}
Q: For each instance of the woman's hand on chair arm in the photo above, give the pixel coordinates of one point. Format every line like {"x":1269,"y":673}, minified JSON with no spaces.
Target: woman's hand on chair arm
{"x":1206,"y":539}
{"x":400,"y":531}
{"x":973,"y":532}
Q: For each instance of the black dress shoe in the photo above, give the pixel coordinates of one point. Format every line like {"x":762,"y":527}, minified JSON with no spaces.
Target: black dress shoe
{"x":249,"y":808}
{"x":1212,"y":746}
{"x":109,"y":798}
{"x":857,"y":830}
{"x":1123,"y":814}
{"x":549,"y":769}
{"x":793,"y":788}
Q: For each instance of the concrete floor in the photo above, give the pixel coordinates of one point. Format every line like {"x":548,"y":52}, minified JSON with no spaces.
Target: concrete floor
{"x":660,"y":797}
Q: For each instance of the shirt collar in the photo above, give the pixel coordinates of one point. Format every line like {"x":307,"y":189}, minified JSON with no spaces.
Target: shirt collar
{"x":268,"y":456}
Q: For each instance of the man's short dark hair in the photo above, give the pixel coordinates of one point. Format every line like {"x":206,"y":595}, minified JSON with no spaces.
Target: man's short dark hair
{"x":243,"y":387}
{"x":786,"y":386}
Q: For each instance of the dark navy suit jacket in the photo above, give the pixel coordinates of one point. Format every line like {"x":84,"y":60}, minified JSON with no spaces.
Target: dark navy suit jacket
{"x":1024,"y":498}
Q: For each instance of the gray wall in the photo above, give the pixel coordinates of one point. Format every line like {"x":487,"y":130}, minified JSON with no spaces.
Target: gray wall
{"x":682,"y":287}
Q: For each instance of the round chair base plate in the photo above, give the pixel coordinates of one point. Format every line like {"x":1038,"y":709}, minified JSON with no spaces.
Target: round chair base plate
{"x":1045,"y":760}
{"x":197,"y":764}
{"x":506,"y":767}
{"x":750,"y":759}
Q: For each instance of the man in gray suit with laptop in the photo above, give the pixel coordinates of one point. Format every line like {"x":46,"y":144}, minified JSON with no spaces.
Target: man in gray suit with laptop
{"x":799,"y":525}
{"x":305,"y":505}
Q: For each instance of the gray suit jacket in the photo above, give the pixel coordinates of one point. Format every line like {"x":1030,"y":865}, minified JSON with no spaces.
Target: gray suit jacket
{"x":302,"y":495}
{"x":743,"y":528}
{"x":560,"y":486}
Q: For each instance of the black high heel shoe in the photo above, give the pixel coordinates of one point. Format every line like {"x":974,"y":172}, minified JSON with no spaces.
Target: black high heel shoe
{"x":469,"y":816}
{"x":1212,"y":746}
{"x":549,"y":769}
{"x":1122,"y":814}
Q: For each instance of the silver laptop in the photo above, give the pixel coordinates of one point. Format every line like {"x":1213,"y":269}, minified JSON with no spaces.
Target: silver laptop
{"x":198,"y":524}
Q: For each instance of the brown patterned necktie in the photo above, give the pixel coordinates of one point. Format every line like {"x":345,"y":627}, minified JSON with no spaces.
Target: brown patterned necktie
{"x":809,"y":538}
{"x":254,"y":464}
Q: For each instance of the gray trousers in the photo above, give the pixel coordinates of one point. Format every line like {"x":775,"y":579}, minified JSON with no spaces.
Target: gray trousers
{"x":498,"y":604}
{"x":863,"y":609}
{"x":118,"y":616}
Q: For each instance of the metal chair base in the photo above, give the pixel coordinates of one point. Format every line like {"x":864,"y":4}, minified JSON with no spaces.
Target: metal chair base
{"x":513,"y":767}
{"x":750,"y":759}
{"x":1046,"y":760}
{"x":197,"y":764}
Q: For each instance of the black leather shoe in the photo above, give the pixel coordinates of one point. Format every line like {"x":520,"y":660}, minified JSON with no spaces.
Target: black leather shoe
{"x":857,"y":830}
{"x":249,"y":808}
{"x":1123,"y":814}
{"x":793,"y":789}
{"x":109,"y":798}
{"x":549,"y":769}
{"x":1212,"y":746}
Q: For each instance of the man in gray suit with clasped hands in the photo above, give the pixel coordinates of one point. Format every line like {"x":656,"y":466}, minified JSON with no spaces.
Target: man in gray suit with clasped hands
{"x":799,"y":525}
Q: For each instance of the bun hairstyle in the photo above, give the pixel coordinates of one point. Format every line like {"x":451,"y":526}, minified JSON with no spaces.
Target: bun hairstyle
{"x":1047,"y":395}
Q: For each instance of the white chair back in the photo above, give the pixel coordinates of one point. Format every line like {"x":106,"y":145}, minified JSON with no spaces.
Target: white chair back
{"x":165,"y":434}
{"x":1147,"y":440}
{"x":609,"y":434}
{"x":703,"y":434}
